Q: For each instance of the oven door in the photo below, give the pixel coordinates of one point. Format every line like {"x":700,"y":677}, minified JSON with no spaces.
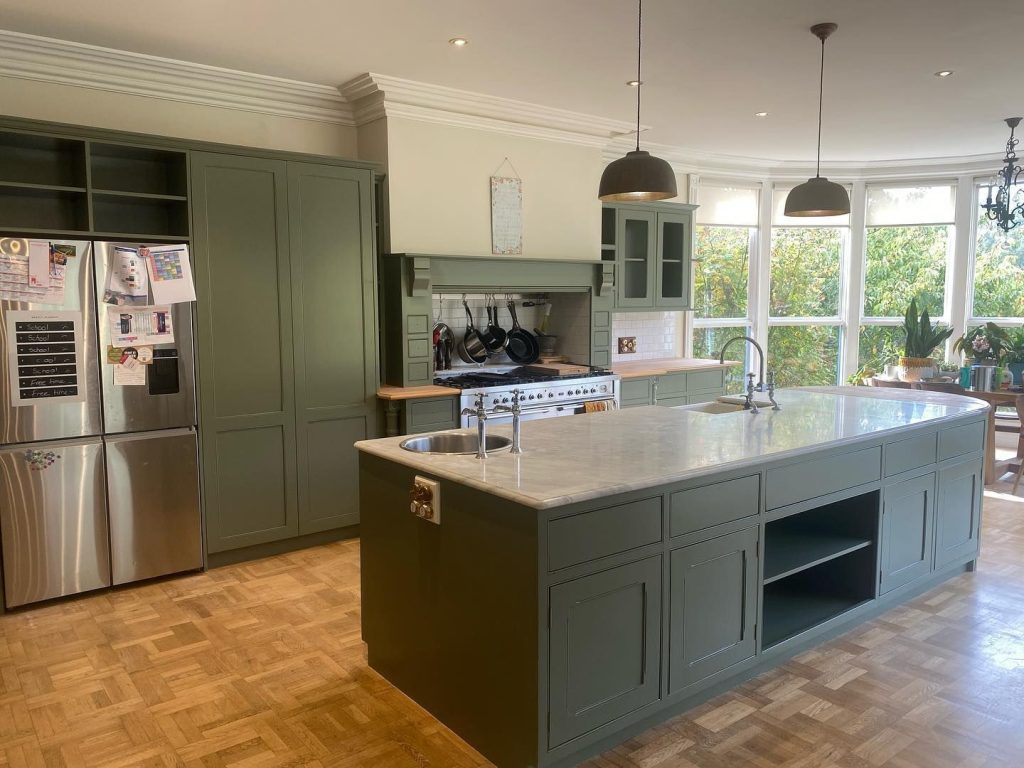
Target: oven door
{"x":544,"y":412}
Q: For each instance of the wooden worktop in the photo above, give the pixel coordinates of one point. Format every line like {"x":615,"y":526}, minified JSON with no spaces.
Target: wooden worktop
{"x":388,"y":392}
{"x":641,"y":368}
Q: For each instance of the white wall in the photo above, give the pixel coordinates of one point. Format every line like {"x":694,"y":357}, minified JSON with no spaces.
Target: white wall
{"x":439,"y":191}
{"x":143,"y":114}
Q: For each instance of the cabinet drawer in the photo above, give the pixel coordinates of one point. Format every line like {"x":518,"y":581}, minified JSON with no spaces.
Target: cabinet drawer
{"x":714,"y":379}
{"x":905,"y":455}
{"x":697,"y":508}
{"x":817,"y":477}
{"x":703,"y":397}
{"x":635,"y":389}
{"x":956,"y":441}
{"x":671,"y":402}
{"x":434,"y":412}
{"x":671,"y":384}
{"x":592,"y":535}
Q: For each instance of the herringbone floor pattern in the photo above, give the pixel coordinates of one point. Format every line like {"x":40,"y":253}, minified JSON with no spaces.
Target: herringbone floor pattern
{"x":262,"y":664}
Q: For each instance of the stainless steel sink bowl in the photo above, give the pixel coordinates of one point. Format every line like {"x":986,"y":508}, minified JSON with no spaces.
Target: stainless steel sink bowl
{"x":712,"y":407}
{"x":453,"y":443}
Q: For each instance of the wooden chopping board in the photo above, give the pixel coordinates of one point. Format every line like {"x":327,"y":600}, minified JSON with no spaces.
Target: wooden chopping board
{"x":559,"y":369}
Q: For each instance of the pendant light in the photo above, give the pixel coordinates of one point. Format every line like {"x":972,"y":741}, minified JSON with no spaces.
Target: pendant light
{"x":819,"y":196}
{"x":639,"y":176}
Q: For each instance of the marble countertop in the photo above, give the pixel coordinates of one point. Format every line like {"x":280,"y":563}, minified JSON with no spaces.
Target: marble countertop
{"x":576,"y":458}
{"x":634,"y":370}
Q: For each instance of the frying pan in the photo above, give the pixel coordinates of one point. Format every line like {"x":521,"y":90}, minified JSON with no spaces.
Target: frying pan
{"x":442,"y":346}
{"x":471,"y":349}
{"x":492,"y":341}
{"x":521,"y":346}
{"x":497,"y":330}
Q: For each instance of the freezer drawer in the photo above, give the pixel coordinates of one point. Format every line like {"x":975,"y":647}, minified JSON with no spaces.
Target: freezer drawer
{"x":53,"y":520}
{"x":153,"y":492}
{"x":168,"y":398}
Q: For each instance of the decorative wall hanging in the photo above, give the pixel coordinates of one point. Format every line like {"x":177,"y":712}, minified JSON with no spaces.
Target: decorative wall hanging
{"x":506,"y":212}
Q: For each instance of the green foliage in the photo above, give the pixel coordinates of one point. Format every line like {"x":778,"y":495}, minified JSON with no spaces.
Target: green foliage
{"x":905,"y":263}
{"x":806,"y":271}
{"x":998,"y":271}
{"x":1015,"y":346}
{"x":922,"y":338}
{"x":720,"y":271}
{"x":994,"y":335}
{"x":804,"y":354}
{"x":708,"y":343}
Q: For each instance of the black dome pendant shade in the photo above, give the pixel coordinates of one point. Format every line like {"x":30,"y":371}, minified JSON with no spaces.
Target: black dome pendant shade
{"x":819,"y":196}
{"x":639,"y":176}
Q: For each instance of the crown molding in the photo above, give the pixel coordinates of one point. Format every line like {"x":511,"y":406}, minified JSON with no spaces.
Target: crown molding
{"x":373,"y":96}
{"x":64,"y":62}
{"x":713,"y":165}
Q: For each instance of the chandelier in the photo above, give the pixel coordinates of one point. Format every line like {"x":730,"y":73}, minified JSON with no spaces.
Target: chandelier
{"x":1007,"y":210}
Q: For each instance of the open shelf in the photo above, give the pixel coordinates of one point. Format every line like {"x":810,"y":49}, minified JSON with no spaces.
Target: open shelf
{"x":43,"y":161}
{"x":136,"y":216}
{"x":608,"y":227}
{"x":795,"y":551}
{"x":121,"y":168}
{"x":143,"y":195}
{"x":50,"y":210}
{"x":789,"y":610}
{"x":43,"y":187}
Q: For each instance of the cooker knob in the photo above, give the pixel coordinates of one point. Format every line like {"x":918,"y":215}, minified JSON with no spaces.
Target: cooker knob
{"x":578,"y":392}
{"x":495,"y":401}
{"x":551,"y":394}
{"x":604,"y":387}
{"x":532,"y":397}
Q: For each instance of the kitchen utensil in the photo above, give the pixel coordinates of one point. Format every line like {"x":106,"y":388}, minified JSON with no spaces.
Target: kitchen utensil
{"x":491,"y":341}
{"x":521,"y":346}
{"x":447,"y":344}
{"x":471,"y":349}
{"x":499,"y":333}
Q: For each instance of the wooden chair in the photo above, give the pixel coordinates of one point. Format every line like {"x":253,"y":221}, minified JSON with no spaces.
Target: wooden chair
{"x":890,"y":383}
{"x":939,"y":386}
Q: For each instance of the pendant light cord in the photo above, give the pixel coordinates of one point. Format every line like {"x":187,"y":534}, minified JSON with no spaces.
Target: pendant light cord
{"x":639,"y":81}
{"x":821,"y":94}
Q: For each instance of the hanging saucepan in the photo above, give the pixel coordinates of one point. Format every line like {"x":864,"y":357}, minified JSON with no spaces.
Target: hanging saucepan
{"x":521,"y":346}
{"x":492,"y":342}
{"x":497,"y":330}
{"x":471,"y":349}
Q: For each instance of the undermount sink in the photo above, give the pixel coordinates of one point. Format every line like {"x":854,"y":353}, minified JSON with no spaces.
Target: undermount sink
{"x":453,"y":443}
{"x":712,"y":407}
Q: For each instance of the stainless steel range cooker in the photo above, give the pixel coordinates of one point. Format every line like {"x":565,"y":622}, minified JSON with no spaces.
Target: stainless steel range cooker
{"x":542,"y":396}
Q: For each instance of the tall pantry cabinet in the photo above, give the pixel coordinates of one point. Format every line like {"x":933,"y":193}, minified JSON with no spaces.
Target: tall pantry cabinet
{"x":286,"y":326}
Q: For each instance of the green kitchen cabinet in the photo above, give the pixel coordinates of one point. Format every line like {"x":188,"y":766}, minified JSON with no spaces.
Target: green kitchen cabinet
{"x":284,"y":280}
{"x":651,"y":246}
{"x":712,"y":607}
{"x":672,"y":389}
{"x":908,"y":515}
{"x":605,"y":647}
{"x":958,"y":512}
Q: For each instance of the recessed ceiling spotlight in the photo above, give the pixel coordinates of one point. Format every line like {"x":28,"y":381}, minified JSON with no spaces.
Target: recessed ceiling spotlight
{"x":944,"y":73}
{"x":634,"y":83}
{"x":760,"y":114}
{"x":459,"y":42}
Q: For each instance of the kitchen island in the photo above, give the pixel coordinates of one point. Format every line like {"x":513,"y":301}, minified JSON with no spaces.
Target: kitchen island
{"x":631,"y":564}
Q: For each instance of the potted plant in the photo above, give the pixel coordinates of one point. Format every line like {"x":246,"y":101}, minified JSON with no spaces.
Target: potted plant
{"x":1015,"y":355}
{"x":922,"y":339}
{"x":985,"y":344}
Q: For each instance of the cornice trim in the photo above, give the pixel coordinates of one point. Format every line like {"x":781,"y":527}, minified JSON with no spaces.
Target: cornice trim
{"x":374,"y":96}
{"x":44,"y":59}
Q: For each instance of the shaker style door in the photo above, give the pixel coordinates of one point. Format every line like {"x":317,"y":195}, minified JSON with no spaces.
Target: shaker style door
{"x":53,"y":520}
{"x":675,"y":244}
{"x":958,"y":513}
{"x":907,"y":520}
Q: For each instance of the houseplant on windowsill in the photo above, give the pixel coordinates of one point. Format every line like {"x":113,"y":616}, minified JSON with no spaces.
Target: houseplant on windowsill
{"x":1015,"y":355}
{"x":922,"y":339}
{"x":984,"y":343}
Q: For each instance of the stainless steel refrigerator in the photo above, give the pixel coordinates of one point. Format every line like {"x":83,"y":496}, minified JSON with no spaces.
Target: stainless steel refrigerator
{"x":99,"y":481}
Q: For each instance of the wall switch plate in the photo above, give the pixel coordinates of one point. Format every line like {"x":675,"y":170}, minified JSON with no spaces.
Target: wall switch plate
{"x":426,"y":499}
{"x":627,"y":345}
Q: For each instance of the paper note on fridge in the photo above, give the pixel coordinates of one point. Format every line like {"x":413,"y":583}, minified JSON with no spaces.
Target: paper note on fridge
{"x":39,"y":263}
{"x":15,"y":280}
{"x":170,"y":274}
{"x":127,"y":278}
{"x":132,"y":326}
{"x":130,"y":373}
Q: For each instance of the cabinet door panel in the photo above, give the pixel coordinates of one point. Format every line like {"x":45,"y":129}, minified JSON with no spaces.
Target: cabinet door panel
{"x":907,"y":519}
{"x":244,"y":309}
{"x":712,"y":607}
{"x":332,"y":278}
{"x":636,"y":238}
{"x":675,"y":244}
{"x":958,"y":513}
{"x":605,"y":646}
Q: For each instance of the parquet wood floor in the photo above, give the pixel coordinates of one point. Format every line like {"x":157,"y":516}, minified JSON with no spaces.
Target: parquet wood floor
{"x":261,"y":664}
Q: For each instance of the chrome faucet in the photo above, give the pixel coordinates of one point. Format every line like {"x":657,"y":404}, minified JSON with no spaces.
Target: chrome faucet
{"x":481,"y":425}
{"x":771,"y":390}
{"x":760,"y":358}
{"x":516,"y":410}
{"x":748,"y":403}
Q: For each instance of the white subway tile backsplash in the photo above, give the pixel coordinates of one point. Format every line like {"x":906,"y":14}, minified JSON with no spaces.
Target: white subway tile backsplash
{"x":657,"y":334}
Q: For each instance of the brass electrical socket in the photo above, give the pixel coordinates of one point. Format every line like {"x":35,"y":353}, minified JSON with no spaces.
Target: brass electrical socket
{"x":627,"y":345}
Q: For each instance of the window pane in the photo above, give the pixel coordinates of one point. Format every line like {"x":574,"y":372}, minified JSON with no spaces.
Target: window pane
{"x":707,"y":343}
{"x":805,"y":271}
{"x":879,"y":346}
{"x":910,"y":205}
{"x":998,"y":271}
{"x":720,"y":271}
{"x":727,"y":205}
{"x":780,"y":219}
{"x":904,"y":262}
{"x":804,"y":354}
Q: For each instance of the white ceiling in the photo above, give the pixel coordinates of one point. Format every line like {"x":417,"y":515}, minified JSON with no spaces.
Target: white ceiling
{"x":709,"y":64}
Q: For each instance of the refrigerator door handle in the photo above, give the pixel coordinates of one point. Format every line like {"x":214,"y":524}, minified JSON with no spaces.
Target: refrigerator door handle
{"x":128,"y":437}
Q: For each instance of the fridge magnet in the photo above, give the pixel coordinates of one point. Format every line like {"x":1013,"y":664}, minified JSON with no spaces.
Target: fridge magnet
{"x":45,"y":362}
{"x":507,"y":213}
{"x":170,"y":274}
{"x":40,"y":460}
{"x":127,"y":278}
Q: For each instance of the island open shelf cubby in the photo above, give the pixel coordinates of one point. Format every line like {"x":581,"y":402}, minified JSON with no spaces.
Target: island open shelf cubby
{"x":818,"y":564}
